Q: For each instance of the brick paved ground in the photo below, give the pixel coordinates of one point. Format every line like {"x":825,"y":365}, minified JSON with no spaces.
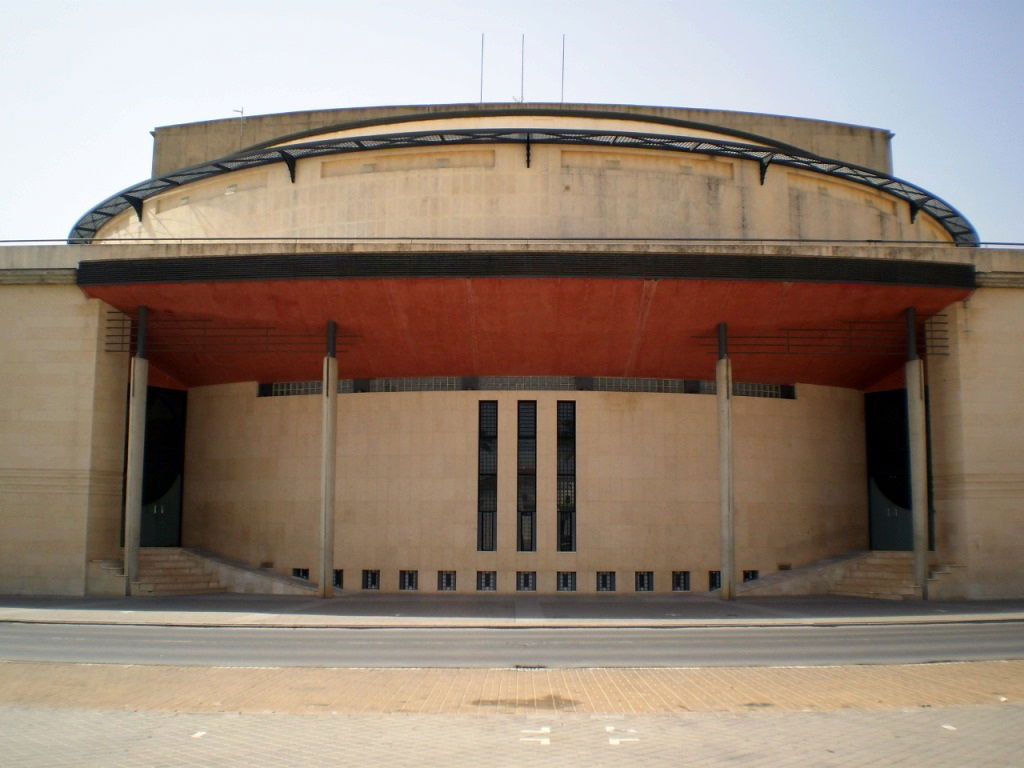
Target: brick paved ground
{"x":976,"y":736}
{"x":122,"y":715}
{"x":508,"y":691}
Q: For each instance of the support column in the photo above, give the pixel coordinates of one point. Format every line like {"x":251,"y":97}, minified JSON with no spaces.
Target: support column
{"x":918,"y":441}
{"x":328,"y":454}
{"x":136,"y":453}
{"x":726,"y":497}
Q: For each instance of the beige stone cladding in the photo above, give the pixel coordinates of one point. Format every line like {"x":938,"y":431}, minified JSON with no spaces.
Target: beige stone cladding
{"x":489,"y":191}
{"x":61,"y":439}
{"x":407,"y":479}
{"x":977,"y":407}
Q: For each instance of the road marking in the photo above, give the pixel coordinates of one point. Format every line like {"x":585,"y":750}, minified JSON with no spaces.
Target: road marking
{"x":949,"y":727}
{"x":198,"y":734}
{"x":617,"y":740}
{"x":542,"y":740}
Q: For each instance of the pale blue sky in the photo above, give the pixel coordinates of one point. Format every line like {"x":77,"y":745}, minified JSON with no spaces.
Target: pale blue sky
{"x":83,"y":83}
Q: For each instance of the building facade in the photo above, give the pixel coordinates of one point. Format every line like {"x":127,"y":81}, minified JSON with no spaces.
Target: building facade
{"x":515,"y":347}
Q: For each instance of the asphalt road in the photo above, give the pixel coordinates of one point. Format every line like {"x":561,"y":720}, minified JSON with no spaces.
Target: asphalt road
{"x":503,"y":648}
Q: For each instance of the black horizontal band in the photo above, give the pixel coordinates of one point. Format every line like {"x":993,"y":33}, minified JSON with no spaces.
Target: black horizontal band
{"x":668,"y":266}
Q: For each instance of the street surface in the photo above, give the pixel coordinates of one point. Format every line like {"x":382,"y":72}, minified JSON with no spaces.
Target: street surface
{"x":504,"y":648}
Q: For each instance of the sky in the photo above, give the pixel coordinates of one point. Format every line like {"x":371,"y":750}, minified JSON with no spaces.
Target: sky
{"x":83,"y":83}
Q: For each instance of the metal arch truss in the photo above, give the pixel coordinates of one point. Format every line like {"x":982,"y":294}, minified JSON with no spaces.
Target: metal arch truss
{"x":765,"y":156}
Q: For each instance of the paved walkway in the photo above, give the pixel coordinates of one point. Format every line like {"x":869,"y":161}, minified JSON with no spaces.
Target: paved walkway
{"x":931,"y":738}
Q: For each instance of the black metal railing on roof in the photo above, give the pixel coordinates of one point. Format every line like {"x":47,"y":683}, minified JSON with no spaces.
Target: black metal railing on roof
{"x":918,"y":199}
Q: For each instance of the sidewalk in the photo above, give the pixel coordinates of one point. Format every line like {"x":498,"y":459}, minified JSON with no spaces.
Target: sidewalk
{"x":363,"y":609}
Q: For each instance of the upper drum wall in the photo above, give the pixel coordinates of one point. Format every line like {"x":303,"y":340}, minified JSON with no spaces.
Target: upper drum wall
{"x":489,"y":191}
{"x":178,"y":146}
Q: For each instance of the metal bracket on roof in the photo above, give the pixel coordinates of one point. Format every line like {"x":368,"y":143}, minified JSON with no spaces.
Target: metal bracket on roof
{"x":135,"y":203}
{"x":528,"y":149}
{"x":289,"y":160}
{"x":915,"y":206}
{"x":764,"y":162}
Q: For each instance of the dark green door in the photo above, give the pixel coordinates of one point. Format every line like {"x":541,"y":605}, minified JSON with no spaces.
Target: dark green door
{"x":163,"y":468}
{"x":885,"y":418}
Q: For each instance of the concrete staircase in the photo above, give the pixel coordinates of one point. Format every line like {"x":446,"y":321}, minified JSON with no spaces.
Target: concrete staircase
{"x":172,"y":571}
{"x":884,"y":575}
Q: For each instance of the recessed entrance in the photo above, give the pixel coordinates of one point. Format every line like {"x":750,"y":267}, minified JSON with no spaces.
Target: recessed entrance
{"x":163,"y":467}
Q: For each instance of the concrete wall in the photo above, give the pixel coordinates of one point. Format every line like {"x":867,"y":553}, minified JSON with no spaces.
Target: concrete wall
{"x":977,"y":412}
{"x":488,"y":191}
{"x":406,"y":485}
{"x":61,"y":439}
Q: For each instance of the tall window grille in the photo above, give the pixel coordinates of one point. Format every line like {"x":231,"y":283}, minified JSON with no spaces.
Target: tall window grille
{"x":566,"y":501}
{"x":487,"y":481}
{"x":527,"y":477}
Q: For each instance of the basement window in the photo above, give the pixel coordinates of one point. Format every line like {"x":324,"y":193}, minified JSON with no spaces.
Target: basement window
{"x":750,"y":575}
{"x":486,"y":581}
{"x":371,"y":579}
{"x":714,"y":580}
{"x":408,"y":580}
{"x":606,"y":581}
{"x":526,"y":581}
{"x":680,"y":581}
{"x":446,"y":581}
{"x":339,"y":578}
{"x":301,"y":573}
{"x":565,"y":581}
{"x":644,"y":581}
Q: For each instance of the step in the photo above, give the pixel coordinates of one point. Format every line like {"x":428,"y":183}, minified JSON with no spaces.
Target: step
{"x":145,"y":584}
{"x":142,"y":589}
{"x":183,"y":568}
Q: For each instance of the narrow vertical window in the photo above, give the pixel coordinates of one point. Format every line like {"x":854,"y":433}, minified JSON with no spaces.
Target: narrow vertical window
{"x":487,"y":482}
{"x":566,"y":500}
{"x":527,"y":476}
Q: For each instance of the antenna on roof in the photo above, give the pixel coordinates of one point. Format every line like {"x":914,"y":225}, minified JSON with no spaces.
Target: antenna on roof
{"x":241,"y":126}
{"x":481,"y":67}
{"x":562,"y":97}
{"x":522,"y":66}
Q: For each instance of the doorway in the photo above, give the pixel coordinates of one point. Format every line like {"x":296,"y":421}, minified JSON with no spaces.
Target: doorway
{"x":163,"y":467}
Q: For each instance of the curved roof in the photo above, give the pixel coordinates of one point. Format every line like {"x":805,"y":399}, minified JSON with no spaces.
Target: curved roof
{"x":765,"y":154}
